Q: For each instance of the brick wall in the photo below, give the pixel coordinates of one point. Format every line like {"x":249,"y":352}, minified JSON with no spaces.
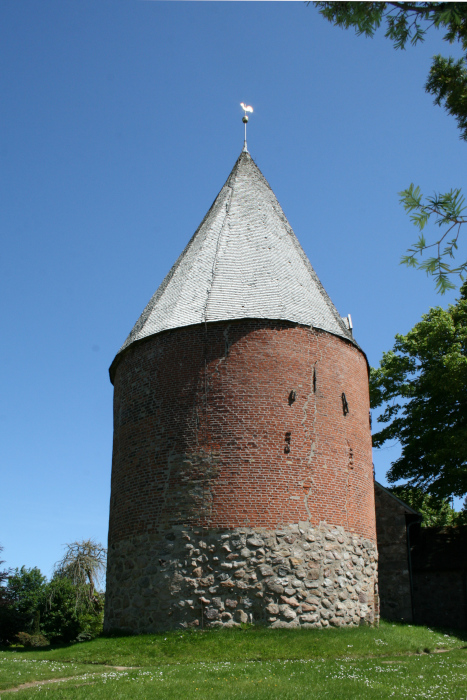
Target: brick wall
{"x":203,"y":421}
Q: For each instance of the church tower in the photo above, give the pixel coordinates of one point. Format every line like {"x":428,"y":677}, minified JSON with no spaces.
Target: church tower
{"x":242,"y":482}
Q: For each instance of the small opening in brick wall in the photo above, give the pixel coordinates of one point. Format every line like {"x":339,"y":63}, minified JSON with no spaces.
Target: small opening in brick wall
{"x":292,"y":396}
{"x":345,"y":405}
{"x":288,"y":437}
{"x":314,"y":380}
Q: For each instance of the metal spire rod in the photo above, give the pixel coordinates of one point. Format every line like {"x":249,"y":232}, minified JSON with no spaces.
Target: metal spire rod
{"x":246,"y":108}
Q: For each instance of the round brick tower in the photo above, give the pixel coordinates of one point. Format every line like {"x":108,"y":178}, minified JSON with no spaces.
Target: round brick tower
{"x":242,"y":482}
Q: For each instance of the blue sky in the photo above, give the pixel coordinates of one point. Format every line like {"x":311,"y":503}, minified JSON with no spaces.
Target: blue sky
{"x":120,"y":123}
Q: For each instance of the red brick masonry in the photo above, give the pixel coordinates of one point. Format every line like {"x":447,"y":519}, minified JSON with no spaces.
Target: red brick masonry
{"x":209,"y":432}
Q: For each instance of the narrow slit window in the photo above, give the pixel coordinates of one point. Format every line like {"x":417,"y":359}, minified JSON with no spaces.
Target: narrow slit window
{"x":345,"y":405}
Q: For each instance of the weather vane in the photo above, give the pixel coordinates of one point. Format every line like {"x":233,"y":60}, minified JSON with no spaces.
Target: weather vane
{"x":246,"y":108}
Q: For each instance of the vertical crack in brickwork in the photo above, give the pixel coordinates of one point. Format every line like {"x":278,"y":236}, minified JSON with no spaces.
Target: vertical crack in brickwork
{"x":310,"y":434}
{"x":347,"y":484}
{"x":205,"y":393}
{"x":305,"y":500}
{"x":227,"y":346}
{"x":227,"y":342}
{"x":208,"y":494}
{"x":196,"y":423}
{"x":170,"y":457}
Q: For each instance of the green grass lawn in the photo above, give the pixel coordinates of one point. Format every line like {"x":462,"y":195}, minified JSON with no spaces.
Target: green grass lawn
{"x":392,"y":661}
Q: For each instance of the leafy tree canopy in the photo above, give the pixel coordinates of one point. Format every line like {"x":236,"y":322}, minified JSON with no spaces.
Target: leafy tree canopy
{"x":23,"y":602}
{"x":436,"y":511}
{"x":421,"y":385}
{"x":25,"y":589}
{"x":408,"y":23}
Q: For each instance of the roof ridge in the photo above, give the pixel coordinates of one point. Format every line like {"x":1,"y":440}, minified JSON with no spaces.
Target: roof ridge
{"x":226,"y":215}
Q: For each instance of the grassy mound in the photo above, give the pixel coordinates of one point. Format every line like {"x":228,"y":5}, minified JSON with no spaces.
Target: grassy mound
{"x":390,"y":661}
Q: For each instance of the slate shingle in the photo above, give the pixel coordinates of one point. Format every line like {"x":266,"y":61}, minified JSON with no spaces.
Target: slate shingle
{"x":244,"y":261}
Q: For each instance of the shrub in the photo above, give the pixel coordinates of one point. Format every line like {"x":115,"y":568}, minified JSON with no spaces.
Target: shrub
{"x":68,"y":616}
{"x":31,"y":640}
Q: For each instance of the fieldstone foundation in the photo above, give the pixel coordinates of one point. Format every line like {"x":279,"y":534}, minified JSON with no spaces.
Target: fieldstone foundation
{"x":296,"y":576}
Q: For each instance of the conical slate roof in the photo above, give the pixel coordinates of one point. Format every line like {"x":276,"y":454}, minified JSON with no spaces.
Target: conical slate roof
{"x":244,"y":261}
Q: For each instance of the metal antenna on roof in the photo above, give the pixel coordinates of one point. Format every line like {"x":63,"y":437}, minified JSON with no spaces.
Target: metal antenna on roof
{"x":246,"y":108}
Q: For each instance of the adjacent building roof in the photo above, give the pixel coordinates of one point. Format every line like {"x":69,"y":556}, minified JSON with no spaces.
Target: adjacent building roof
{"x":244,"y":261}
{"x":390,"y":494}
